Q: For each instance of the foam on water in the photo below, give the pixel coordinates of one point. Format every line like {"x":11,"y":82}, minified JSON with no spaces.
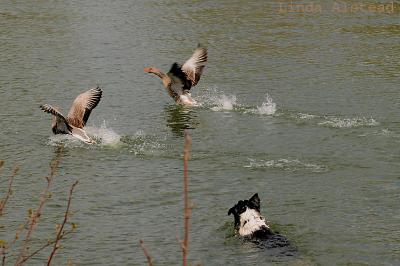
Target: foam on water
{"x":305,"y":116}
{"x":285,"y":164}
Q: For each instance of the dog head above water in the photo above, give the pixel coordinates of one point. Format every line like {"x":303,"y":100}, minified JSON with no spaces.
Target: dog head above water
{"x":252,"y":227}
{"x":248,"y":219}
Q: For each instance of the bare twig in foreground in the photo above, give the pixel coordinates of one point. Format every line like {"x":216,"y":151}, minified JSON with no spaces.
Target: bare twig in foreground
{"x":146,"y":253}
{"x":3,"y":202}
{"x":35,"y":215}
{"x":49,"y":243}
{"x":60,"y":230}
{"x":188,"y":208}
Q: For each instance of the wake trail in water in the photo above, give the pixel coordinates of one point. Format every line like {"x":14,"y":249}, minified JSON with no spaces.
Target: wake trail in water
{"x":333,"y":121}
{"x":219,"y":101}
{"x":140,"y":144}
{"x":337,"y":122}
{"x":292,"y":165}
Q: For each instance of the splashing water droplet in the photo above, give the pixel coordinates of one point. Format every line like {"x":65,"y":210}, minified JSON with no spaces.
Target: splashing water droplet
{"x":267,"y":108}
{"x":105,"y":135}
{"x":225,"y":103}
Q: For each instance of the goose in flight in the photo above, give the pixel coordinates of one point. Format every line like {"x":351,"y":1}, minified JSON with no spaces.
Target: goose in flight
{"x":78,"y":115}
{"x":181,"y":78}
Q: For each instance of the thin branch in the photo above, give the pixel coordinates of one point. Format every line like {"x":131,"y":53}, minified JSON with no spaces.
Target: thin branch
{"x":45,"y":246}
{"x":187,"y":210}
{"x":48,"y":244}
{"x":19,"y":231}
{"x":35,"y":215}
{"x":10,"y":245}
{"x":146,"y":253}
{"x":3,"y":202}
{"x":60,"y":231}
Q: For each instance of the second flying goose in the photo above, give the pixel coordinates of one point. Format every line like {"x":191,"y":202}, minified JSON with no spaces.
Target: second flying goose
{"x":181,"y":78}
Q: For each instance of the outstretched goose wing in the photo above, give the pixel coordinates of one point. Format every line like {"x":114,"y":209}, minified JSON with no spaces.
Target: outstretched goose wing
{"x":83,"y":106}
{"x":193,"y":67}
{"x":61,"y":125}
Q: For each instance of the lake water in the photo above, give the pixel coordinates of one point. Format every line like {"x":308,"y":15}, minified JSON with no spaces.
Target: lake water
{"x":302,"y":108}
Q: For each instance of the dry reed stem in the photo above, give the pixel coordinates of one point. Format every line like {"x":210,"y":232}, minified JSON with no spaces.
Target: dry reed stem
{"x":146,"y":253}
{"x":3,"y":202}
{"x":60,"y":231}
{"x":187,"y":207}
{"x":3,"y":255}
{"x":35,"y":215}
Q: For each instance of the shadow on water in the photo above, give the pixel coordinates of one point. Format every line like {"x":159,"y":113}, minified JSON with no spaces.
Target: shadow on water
{"x":180,"y":118}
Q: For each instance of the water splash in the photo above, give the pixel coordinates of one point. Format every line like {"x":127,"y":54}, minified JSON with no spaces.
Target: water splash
{"x":102,"y":136}
{"x":216,"y":100}
{"x":219,"y":101}
{"x":225,"y":103}
{"x":268,"y":107}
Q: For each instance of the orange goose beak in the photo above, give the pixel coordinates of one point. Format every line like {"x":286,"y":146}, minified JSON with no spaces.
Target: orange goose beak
{"x":148,"y":69}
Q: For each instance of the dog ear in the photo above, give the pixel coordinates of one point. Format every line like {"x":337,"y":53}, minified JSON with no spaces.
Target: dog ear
{"x":231,"y":211}
{"x":255,"y":200}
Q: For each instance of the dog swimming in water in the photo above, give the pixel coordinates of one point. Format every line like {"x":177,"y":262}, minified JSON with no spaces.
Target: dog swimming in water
{"x":252,"y":226}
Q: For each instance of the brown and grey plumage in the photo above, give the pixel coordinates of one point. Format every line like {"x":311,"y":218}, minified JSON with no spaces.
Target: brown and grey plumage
{"x":180,"y":79}
{"x":77,"y":116}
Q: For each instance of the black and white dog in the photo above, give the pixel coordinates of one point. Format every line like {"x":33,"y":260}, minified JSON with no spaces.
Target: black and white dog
{"x":250,"y":225}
